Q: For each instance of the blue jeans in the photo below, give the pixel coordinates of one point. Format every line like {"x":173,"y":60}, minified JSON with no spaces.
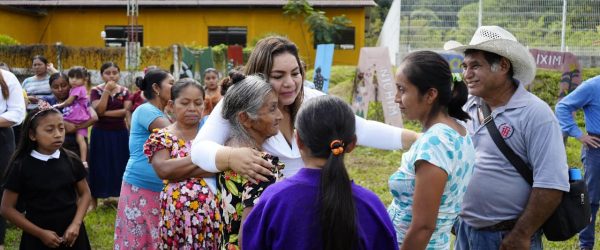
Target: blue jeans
{"x":591,"y":165}
{"x":469,"y":238}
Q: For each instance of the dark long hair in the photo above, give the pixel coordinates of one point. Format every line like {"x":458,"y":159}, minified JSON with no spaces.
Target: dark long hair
{"x":152,"y":77}
{"x":427,"y":70}
{"x":107,"y":65}
{"x":321,"y":121}
{"x":261,"y":62}
{"x":3,"y":86}
{"x":26,"y":145}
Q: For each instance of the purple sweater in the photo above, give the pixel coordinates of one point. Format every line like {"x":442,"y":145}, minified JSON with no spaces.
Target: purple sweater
{"x":286,"y":217}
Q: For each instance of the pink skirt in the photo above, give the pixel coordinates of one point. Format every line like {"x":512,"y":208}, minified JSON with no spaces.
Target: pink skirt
{"x":138,"y":216}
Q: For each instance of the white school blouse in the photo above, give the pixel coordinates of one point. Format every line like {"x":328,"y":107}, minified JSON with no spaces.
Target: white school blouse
{"x":215,"y":132}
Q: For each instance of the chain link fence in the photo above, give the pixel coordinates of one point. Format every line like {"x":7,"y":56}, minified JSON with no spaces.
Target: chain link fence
{"x":428,"y":24}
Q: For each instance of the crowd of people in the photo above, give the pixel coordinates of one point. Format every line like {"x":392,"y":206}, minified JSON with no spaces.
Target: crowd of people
{"x":255,"y":160}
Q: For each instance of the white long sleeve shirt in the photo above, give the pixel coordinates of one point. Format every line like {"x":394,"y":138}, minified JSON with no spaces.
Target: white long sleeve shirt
{"x":12,"y":108}
{"x":216,"y":131}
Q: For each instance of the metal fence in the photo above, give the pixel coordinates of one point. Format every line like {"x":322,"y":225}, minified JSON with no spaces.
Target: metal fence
{"x":559,"y":25}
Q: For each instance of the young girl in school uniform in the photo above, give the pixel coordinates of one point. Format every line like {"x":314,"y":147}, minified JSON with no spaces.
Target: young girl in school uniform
{"x":51,"y":184}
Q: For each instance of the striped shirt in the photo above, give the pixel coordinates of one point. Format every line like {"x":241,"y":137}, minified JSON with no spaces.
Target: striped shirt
{"x":37,"y":87}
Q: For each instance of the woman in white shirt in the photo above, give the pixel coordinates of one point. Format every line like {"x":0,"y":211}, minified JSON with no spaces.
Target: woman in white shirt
{"x":277,"y":59}
{"x":12,"y":112}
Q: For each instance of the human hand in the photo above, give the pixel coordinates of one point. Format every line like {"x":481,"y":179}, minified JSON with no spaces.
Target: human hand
{"x":50,"y":68}
{"x":110,"y":86}
{"x":248,"y":163}
{"x":50,"y":238}
{"x":590,"y":141}
{"x":71,"y":234}
{"x":32,"y":99}
{"x":514,"y":240}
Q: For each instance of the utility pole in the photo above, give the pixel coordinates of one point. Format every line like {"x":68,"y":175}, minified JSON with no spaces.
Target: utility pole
{"x":132,"y":47}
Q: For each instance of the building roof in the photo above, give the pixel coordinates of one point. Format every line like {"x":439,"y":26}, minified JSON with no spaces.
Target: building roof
{"x":199,"y":3}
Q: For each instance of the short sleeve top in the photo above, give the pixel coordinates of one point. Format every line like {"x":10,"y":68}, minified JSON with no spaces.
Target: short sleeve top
{"x":40,"y":194}
{"x":139,"y":172}
{"x":445,"y":148}
{"x":115,"y":102}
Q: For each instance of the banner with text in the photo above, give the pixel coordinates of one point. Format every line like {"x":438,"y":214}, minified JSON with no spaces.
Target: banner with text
{"x":566,"y":62}
{"x":374,"y":81}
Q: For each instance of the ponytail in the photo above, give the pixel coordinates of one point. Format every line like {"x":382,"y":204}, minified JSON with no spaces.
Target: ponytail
{"x":328,"y":138}
{"x":458,"y":98}
{"x":338,"y":212}
{"x":3,"y":86}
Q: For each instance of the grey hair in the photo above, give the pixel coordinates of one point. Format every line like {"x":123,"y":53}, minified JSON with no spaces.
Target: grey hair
{"x":247,"y":95}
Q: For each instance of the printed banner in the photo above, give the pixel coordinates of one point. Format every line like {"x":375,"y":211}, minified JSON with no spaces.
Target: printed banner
{"x":563,"y":61}
{"x":454,"y":59}
{"x":323,"y":62}
{"x":374,"y":81}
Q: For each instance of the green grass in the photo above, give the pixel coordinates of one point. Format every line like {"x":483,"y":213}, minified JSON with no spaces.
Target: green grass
{"x":368,"y":167}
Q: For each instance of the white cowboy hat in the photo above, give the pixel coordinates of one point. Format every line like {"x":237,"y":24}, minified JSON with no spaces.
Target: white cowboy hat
{"x":499,"y":41}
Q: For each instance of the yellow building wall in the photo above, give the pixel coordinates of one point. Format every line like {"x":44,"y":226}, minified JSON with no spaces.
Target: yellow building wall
{"x":22,"y":26}
{"x":164,"y":27}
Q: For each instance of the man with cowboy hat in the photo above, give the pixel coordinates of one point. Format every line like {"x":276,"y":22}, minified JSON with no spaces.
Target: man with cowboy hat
{"x":500,"y":209}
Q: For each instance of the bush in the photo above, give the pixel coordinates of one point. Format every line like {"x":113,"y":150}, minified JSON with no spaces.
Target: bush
{"x":7,"y":40}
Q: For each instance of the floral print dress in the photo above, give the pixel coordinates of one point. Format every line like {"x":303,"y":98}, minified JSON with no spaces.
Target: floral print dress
{"x":190,"y":218}
{"x":237,"y":193}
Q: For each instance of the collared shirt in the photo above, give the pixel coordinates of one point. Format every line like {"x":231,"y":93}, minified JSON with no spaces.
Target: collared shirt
{"x":497,"y":192}
{"x":43,"y":157}
{"x":12,"y":108}
{"x":586,"y":97}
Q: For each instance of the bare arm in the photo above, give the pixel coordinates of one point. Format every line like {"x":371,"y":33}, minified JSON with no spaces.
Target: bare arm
{"x":115,"y":113}
{"x":5,"y":123}
{"x":83,"y":202}
{"x":541,"y":204}
{"x":175,"y":169}
{"x":245,"y":214}
{"x":159,"y":123}
{"x":8,"y":210}
{"x":67,"y":102}
{"x":429,"y":187}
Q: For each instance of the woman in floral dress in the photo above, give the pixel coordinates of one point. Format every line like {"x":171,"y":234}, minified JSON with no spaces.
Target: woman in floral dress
{"x":189,"y":216}
{"x":250,"y":106}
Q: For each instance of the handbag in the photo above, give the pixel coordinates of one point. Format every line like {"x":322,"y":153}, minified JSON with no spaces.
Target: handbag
{"x":574,"y":211}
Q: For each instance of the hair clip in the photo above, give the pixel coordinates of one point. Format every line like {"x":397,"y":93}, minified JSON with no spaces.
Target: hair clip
{"x":337,"y":147}
{"x":42,"y":107}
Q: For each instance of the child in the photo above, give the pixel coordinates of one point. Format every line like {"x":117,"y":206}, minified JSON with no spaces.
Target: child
{"x":50,"y":182}
{"x":76,"y":107}
{"x":319,"y":207}
{"x":213,"y":92}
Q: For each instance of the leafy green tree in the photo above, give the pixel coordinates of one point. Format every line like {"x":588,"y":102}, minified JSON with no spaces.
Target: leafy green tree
{"x":323,"y":30}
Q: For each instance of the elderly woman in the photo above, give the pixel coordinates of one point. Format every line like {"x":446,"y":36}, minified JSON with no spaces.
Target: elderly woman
{"x":277,"y":59}
{"x":59,"y":85}
{"x":250,"y":106}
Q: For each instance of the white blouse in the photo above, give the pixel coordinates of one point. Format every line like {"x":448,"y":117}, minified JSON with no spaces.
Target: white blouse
{"x":13,"y":108}
{"x":215,"y":132}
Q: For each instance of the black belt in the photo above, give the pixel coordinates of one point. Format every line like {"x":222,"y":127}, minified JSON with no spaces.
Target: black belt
{"x":506,"y":225}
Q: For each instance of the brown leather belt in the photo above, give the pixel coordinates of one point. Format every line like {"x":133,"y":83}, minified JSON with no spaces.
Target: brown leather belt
{"x":501,"y":226}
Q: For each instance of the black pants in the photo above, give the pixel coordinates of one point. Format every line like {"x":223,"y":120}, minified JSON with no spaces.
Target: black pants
{"x":7,"y":147}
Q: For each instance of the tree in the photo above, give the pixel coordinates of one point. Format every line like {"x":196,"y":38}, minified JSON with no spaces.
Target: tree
{"x":324,"y":31}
